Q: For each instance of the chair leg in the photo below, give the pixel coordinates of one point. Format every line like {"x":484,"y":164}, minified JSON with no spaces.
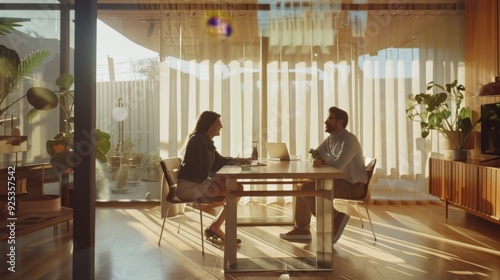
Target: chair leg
{"x":359,"y":213}
{"x":179,"y":225}
{"x":370,"y":219}
{"x":162,"y":227}
{"x":180,"y":220}
{"x":201,"y":231}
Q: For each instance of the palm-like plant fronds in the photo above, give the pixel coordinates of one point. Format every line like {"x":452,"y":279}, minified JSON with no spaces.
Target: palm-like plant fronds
{"x":32,"y":61}
{"x":7,"y":26}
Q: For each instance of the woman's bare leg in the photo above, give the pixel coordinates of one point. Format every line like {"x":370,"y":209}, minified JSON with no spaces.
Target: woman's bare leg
{"x":216,"y":225}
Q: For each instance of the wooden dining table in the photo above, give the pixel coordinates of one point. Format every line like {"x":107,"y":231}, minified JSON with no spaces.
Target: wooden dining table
{"x":295,"y":170}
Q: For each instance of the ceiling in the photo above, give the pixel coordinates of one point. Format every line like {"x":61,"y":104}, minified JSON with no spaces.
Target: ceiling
{"x":184,"y":30}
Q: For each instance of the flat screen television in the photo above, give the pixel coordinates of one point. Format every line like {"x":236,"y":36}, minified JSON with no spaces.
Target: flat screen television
{"x":490,"y":129}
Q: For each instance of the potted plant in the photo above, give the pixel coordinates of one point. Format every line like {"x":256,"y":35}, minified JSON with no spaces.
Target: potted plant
{"x":316,"y":157}
{"x":434,"y":110}
{"x":60,"y":148}
{"x":12,"y":70}
{"x":151,"y":166}
{"x":151,"y":181}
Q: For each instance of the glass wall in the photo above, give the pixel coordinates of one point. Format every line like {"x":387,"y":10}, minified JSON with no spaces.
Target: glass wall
{"x":128,"y":104}
{"x":33,"y":32}
{"x":272,"y":71}
{"x":127,"y":74}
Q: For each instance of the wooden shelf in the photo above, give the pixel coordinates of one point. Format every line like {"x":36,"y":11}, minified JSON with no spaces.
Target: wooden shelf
{"x":13,"y":144}
{"x":28,"y":222}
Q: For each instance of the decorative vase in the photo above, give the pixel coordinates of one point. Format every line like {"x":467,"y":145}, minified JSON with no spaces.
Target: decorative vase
{"x":459,"y":155}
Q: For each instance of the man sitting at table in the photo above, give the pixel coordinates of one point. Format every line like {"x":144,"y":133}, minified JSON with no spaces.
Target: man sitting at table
{"x":342,"y":150}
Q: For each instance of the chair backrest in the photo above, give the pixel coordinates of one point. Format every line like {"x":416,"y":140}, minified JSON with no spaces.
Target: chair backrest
{"x":170,"y":168}
{"x":370,"y":168}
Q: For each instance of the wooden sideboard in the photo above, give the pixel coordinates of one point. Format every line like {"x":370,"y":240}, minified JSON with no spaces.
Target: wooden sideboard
{"x":470,"y":185}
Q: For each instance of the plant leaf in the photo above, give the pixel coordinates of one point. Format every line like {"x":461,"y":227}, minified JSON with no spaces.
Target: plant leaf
{"x":32,"y":114}
{"x":62,"y":162}
{"x":7,"y":26}
{"x":103,"y":145}
{"x":9,"y":69}
{"x":100,"y":157}
{"x":42,"y":98}
{"x":65,"y":81}
{"x":465,"y":125}
{"x":32,"y":61}
{"x":55,"y":146}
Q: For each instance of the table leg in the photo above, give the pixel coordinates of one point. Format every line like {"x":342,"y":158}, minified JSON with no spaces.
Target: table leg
{"x":324,"y":225}
{"x":231,"y":224}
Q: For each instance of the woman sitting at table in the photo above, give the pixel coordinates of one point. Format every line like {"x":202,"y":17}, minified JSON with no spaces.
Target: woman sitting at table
{"x":201,"y":161}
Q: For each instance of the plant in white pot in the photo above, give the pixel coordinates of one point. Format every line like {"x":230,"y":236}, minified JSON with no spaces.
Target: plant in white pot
{"x":441,"y":109}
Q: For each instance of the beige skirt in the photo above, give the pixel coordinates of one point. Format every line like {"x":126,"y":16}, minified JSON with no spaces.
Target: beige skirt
{"x":187,"y":190}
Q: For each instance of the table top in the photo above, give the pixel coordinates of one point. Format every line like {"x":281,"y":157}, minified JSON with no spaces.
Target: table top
{"x":281,"y":169}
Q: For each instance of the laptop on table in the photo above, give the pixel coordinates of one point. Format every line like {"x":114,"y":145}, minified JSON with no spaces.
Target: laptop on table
{"x":278,"y":151}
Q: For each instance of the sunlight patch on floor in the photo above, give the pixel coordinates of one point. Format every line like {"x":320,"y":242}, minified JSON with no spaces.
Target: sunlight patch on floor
{"x":458,"y":272}
{"x":440,"y":239}
{"x":367,"y":251}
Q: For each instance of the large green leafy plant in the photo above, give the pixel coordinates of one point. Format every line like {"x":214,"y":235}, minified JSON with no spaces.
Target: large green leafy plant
{"x":13,"y":68}
{"x":432,"y":110}
{"x":60,"y":148}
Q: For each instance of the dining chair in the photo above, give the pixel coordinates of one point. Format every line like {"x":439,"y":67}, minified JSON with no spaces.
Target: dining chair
{"x":170,"y":168}
{"x":370,"y":167}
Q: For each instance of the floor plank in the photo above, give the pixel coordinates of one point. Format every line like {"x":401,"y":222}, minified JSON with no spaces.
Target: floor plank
{"x":413,"y":242}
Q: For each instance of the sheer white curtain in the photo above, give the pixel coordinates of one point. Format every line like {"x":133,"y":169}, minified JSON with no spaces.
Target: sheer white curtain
{"x":369,"y":76}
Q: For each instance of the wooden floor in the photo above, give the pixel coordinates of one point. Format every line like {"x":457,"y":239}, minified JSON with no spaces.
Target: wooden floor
{"x":413,"y":242}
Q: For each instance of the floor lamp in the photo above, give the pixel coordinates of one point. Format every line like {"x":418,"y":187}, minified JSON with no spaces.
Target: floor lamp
{"x":119,"y":115}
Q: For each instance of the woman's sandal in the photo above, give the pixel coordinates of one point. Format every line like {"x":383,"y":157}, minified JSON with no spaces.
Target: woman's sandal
{"x":209,"y":234}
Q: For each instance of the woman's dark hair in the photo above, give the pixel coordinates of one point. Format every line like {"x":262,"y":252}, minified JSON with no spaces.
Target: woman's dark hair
{"x":339,"y":115}
{"x":205,"y":120}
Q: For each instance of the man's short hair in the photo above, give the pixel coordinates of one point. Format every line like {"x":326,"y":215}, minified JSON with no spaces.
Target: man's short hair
{"x":339,"y":115}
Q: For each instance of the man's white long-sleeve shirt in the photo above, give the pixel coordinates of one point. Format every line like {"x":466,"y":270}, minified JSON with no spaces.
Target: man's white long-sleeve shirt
{"x":343,"y":151}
